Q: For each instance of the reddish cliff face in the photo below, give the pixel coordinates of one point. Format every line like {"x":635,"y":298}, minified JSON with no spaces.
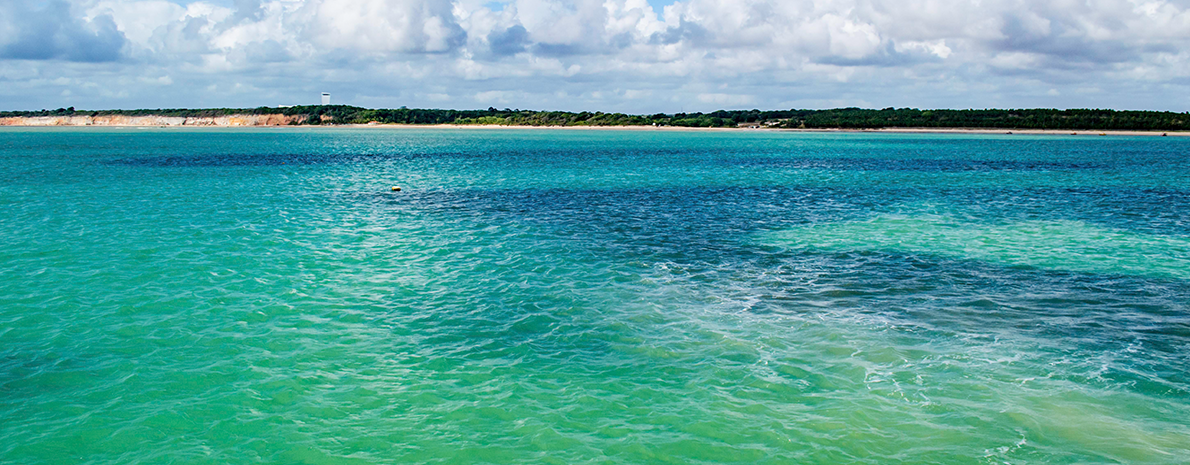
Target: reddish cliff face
{"x":120,"y":120}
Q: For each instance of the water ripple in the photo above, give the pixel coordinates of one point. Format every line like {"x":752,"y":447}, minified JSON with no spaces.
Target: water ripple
{"x":581,"y":297}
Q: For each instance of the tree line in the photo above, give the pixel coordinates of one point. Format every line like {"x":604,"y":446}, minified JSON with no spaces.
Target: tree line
{"x":840,"y":118}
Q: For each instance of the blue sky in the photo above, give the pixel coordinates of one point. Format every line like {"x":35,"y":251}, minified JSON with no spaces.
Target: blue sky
{"x":659,"y":4}
{"x":609,"y":55}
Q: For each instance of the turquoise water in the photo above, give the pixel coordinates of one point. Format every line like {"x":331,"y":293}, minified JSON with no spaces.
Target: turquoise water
{"x":538,"y":296}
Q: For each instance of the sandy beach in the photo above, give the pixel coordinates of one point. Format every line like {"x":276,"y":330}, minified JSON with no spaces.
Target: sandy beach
{"x":275,"y":121}
{"x":991,"y":131}
{"x":988,"y":131}
{"x":1040,"y":132}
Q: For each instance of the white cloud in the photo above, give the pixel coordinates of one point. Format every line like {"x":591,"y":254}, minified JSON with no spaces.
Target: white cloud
{"x":527,"y":52}
{"x":730,"y":100}
{"x":937,"y":48}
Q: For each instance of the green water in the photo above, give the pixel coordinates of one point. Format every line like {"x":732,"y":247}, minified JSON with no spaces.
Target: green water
{"x":534,"y":296}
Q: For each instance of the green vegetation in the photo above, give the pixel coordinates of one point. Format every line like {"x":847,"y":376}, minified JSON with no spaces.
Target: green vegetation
{"x":845,"y":118}
{"x":1006,"y":119}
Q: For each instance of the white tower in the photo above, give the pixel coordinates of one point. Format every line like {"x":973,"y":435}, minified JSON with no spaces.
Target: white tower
{"x":326,"y":98}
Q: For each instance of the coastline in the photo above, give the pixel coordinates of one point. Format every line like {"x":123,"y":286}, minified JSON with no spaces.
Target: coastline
{"x":277,"y":122}
{"x":1034,"y":132}
{"x":979,"y":131}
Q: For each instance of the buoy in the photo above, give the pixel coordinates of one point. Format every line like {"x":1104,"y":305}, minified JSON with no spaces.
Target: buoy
{"x":396,"y":189}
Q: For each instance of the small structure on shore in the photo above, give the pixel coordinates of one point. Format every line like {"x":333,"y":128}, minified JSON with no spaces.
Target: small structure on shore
{"x":326,"y":98}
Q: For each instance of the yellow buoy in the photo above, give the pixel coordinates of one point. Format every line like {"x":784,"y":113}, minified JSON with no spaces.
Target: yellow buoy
{"x":396,"y":189}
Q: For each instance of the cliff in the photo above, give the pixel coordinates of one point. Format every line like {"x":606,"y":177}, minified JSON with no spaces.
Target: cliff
{"x":121,"y":120}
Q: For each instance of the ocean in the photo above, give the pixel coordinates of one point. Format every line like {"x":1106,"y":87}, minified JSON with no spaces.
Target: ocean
{"x":221,"y":296}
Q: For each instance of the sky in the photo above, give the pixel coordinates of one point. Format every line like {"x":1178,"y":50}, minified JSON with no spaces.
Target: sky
{"x":637,"y":56}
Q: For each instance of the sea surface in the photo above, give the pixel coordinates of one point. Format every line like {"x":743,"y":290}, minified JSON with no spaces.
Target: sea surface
{"x":263,"y":296}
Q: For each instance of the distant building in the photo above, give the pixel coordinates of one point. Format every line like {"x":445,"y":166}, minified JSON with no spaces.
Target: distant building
{"x":326,"y":98}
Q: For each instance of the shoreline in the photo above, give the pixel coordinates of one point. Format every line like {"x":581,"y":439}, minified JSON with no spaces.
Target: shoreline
{"x":974,"y":131}
{"x":984,"y":131}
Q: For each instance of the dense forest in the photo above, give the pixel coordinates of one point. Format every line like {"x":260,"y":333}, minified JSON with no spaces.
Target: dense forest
{"x":844,"y":118}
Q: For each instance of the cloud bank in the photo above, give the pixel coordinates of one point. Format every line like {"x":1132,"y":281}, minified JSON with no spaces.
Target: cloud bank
{"x":621,"y":55}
